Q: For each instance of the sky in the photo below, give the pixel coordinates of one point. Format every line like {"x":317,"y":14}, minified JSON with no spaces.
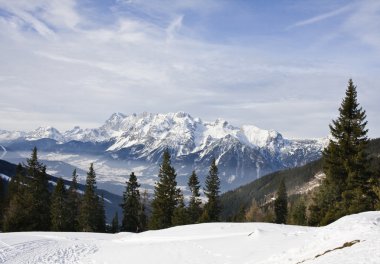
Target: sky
{"x":280,"y":65}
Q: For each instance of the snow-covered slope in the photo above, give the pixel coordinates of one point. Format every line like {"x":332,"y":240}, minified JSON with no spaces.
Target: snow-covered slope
{"x":243,"y":153}
{"x":353,"y":239}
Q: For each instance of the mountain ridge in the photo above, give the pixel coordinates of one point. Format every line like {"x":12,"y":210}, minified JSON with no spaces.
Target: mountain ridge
{"x":118,"y":125}
{"x":242,"y":153}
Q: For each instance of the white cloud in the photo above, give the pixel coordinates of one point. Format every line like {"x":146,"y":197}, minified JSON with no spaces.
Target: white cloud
{"x":173,"y":27}
{"x":364,"y":24}
{"x":71,"y":74}
{"x":42,"y":16}
{"x":321,"y":17}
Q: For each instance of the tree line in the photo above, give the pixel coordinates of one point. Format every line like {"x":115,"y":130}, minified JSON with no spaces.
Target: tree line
{"x":30,"y":204}
{"x":168,"y":204}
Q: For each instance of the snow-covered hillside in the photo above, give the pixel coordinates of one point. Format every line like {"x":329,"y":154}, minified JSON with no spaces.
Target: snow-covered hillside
{"x":137,"y":141}
{"x":353,"y":239}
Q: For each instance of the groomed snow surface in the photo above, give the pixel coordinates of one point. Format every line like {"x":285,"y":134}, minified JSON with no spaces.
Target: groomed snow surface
{"x":352,"y":239}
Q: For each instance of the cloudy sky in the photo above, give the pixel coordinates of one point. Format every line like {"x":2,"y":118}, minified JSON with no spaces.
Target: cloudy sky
{"x":280,"y":65}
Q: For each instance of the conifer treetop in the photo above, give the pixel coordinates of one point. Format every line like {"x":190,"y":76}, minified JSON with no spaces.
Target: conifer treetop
{"x":351,"y":121}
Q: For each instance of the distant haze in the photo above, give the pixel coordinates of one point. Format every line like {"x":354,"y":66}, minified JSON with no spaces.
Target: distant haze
{"x":280,"y":65}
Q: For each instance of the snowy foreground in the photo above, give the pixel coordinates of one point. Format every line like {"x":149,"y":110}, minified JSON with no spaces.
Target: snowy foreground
{"x":352,"y":239}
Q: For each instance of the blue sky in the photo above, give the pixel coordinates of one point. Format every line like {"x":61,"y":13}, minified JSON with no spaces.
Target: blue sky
{"x":280,"y":65}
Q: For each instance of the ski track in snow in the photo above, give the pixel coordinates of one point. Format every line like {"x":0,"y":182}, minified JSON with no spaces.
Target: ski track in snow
{"x":46,"y":251}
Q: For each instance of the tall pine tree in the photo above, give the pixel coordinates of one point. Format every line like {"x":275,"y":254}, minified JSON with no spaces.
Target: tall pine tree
{"x":165,"y":195}
{"x":39,"y":189}
{"x":131,"y":206}
{"x":281,"y":204}
{"x":180,"y":214}
{"x":18,"y":209}
{"x":73,"y":203}
{"x":194,"y":208}
{"x":59,"y":210}
{"x":144,"y":200}
{"x":298,"y":213}
{"x":100,"y":215}
{"x":347,"y":187}
{"x":115,"y":224}
{"x":89,"y":210}
{"x":213,"y":207}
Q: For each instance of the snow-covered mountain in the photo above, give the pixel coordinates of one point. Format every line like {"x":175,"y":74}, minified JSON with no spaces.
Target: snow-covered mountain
{"x":39,"y":133}
{"x":242,"y":153}
{"x":45,"y":132}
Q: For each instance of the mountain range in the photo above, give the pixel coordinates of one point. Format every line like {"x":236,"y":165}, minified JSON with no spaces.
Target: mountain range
{"x":126,"y":143}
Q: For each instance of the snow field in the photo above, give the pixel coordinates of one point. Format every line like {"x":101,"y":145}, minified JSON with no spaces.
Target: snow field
{"x":352,"y":239}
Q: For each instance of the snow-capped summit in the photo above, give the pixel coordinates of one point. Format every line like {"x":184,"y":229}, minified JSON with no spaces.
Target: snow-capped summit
{"x":242,"y":153}
{"x":180,"y":131}
{"x":174,"y":130}
{"x":113,"y":123}
{"x":45,"y":132}
{"x":260,"y":138}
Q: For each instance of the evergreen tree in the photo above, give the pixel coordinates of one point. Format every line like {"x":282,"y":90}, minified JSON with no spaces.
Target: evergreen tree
{"x":212,"y":208}
{"x":100,"y":216}
{"x":131,"y":206}
{"x":17,"y":214}
{"x":347,"y":188}
{"x":73,"y":203}
{"x":59,"y":210}
{"x":16,"y":183}
{"x":180,"y":214}
{"x":239,"y":217}
{"x":115,"y":224}
{"x":324,"y":203}
{"x":194,"y":208}
{"x":281,"y":204}
{"x":165,"y":195}
{"x":40,"y":195}
{"x":144,"y":200}
{"x":89,"y":210}
{"x":298,"y":213}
